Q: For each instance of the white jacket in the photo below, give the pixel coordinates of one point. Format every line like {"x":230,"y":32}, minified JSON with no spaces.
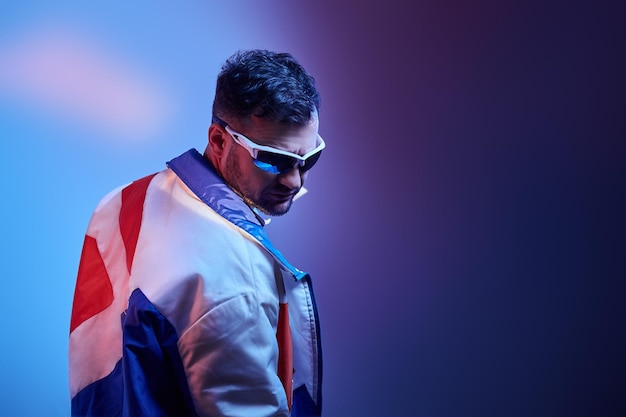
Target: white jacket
{"x":204,"y":300}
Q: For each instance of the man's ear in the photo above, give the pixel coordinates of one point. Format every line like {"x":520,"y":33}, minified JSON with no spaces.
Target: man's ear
{"x":217,"y":140}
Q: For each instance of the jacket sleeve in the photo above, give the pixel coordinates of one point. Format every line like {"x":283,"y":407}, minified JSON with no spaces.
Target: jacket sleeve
{"x":230,"y":358}
{"x":223,"y":365}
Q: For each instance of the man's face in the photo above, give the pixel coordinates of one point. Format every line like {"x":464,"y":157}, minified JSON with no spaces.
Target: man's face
{"x":271,"y":193}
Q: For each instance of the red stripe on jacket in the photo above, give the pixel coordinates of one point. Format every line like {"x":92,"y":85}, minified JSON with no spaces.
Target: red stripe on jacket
{"x":94,"y":291}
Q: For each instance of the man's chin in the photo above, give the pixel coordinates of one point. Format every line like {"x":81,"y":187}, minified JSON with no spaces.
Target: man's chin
{"x":276,"y":209}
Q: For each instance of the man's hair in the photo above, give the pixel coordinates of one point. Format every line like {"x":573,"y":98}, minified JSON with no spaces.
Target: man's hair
{"x":265,"y":84}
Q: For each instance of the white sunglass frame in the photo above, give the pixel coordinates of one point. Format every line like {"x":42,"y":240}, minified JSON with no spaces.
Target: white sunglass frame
{"x":254,"y":148}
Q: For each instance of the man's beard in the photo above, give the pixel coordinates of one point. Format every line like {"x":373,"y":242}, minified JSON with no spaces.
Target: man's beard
{"x":235,"y":180}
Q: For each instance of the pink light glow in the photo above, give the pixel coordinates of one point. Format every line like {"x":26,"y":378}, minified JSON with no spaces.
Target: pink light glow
{"x":78,"y":80}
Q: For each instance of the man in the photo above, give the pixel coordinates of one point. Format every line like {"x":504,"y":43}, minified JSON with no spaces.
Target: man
{"x":182,"y":306}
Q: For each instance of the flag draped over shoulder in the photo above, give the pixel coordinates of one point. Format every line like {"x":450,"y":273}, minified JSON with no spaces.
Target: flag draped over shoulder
{"x":128,"y":357}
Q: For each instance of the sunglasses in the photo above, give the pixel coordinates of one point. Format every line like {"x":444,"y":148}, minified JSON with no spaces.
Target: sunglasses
{"x":274,"y":160}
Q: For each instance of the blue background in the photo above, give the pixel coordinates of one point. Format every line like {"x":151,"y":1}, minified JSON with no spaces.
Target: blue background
{"x":464,"y":228}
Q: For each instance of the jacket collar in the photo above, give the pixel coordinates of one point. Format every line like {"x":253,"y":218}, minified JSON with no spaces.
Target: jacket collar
{"x":199,"y":175}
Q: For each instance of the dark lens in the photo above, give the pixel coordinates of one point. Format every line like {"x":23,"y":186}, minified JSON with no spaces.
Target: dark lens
{"x":283,"y":163}
{"x":310,"y":161}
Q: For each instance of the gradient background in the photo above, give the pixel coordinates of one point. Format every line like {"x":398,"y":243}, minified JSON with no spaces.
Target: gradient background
{"x":465,"y":227}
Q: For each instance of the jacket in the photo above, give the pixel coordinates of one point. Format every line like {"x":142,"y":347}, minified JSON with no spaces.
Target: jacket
{"x":183,"y":307}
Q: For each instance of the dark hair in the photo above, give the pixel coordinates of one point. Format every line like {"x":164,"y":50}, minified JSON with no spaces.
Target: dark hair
{"x":265,"y":84}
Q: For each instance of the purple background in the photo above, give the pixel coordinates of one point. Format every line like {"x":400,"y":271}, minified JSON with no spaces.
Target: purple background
{"x":464,"y":227}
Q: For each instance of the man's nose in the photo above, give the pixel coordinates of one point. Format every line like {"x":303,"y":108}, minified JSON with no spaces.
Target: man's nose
{"x":292,"y":179}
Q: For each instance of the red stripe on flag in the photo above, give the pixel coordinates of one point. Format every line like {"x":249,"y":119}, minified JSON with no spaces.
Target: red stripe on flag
{"x":131,"y":213}
{"x":285,"y":351}
{"x":93,"y":287}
